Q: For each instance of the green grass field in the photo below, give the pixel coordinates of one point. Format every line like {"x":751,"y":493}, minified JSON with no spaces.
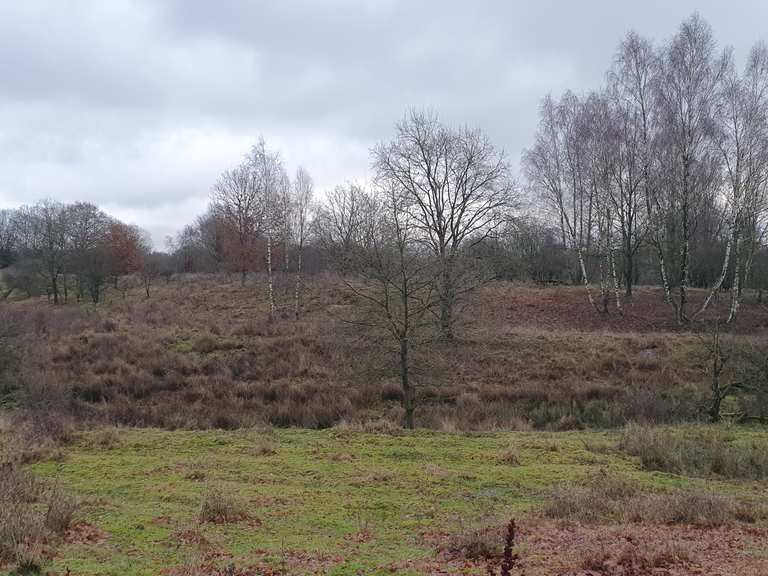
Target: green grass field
{"x":318,"y":502}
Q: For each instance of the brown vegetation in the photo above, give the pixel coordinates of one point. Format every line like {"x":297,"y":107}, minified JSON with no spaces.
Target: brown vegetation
{"x":202,"y":354}
{"x":609,"y":499}
{"x":32,"y":517}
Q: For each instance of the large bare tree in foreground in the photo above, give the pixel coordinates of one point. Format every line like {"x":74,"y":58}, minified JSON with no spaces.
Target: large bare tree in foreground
{"x":391,"y":274}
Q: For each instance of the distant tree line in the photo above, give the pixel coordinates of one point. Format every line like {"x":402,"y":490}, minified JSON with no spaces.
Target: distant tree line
{"x":71,"y":251}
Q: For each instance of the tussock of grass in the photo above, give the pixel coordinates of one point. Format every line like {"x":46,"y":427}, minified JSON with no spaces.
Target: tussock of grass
{"x":31,"y":515}
{"x":219,"y":507}
{"x":483,"y":543}
{"x":611,"y":498}
{"x":699,"y":452}
{"x":636,"y":559}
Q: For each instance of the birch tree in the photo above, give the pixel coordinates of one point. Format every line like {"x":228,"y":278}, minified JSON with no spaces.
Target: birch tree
{"x":744,"y":146}
{"x":270,"y":182}
{"x":628,"y":141}
{"x":556,"y":171}
{"x":690,"y":76}
{"x":457,"y":188}
{"x":303,"y":189}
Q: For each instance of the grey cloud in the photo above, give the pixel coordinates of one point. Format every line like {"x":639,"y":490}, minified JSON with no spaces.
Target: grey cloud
{"x":138,"y":105}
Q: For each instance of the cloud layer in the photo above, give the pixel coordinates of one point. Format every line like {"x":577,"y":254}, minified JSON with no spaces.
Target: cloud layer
{"x":138,"y":105}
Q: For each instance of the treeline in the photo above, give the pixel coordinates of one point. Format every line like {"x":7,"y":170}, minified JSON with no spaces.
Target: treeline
{"x":659,"y":177}
{"x":66,"y":250}
{"x":669,"y":159}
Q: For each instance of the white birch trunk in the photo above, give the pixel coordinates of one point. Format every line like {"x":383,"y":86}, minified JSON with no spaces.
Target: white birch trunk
{"x":736,"y":288}
{"x":270,"y":284}
{"x":585,"y":278}
{"x":297,"y":299}
{"x":615,"y":278}
{"x":719,"y":282}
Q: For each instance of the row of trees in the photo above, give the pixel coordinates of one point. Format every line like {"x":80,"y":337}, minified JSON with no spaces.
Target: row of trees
{"x":57,"y":248}
{"x":672,"y":152}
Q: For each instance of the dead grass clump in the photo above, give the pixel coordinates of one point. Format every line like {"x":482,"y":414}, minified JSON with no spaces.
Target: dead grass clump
{"x":601,"y":498}
{"x":102,"y":439}
{"x":511,"y":456}
{"x":702,"y":452}
{"x":219,"y":507}
{"x":484,"y":543}
{"x":31,"y":515}
{"x":703,"y":509}
{"x":61,"y":511}
{"x":634,"y":559}
{"x":609,"y":498}
{"x":263,"y":447}
{"x":39,"y":435}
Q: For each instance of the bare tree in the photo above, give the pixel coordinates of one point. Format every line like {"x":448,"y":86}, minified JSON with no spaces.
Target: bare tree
{"x":270,"y":182}
{"x":302,"y":199}
{"x":88,"y":229}
{"x":341,"y":223}
{"x":237,"y":204}
{"x":45,"y":229}
{"x":8,"y":240}
{"x":457,"y":188}
{"x":556,"y":170}
{"x":394,"y":280}
{"x":690,"y":75}
{"x":744,"y":145}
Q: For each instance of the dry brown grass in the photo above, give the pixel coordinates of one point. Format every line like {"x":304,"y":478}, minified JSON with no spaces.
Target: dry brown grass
{"x":613,"y":499}
{"x":219,"y":507}
{"x":201,"y":354}
{"x":32,"y":516}
{"x":696,"y":452}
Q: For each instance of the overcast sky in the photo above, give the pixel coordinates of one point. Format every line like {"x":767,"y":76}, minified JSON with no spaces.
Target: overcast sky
{"x":139,"y":105}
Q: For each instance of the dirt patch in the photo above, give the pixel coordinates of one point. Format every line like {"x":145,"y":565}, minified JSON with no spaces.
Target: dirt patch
{"x":85,"y":533}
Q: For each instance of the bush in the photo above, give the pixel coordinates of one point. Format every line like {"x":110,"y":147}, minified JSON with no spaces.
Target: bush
{"x":702,"y":452}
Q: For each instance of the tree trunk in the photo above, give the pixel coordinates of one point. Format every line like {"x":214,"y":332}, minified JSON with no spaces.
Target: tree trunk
{"x":270,"y":284}
{"x":297,"y":295}
{"x":615,"y":277}
{"x":717,"y":368}
{"x":55,"y":287}
{"x":720,"y":279}
{"x":604,"y":291}
{"x":736,"y":288}
{"x":408,"y":399}
{"x":585,"y":278}
{"x":629,"y":271}
{"x":446,"y":300}
{"x":684,"y":269}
